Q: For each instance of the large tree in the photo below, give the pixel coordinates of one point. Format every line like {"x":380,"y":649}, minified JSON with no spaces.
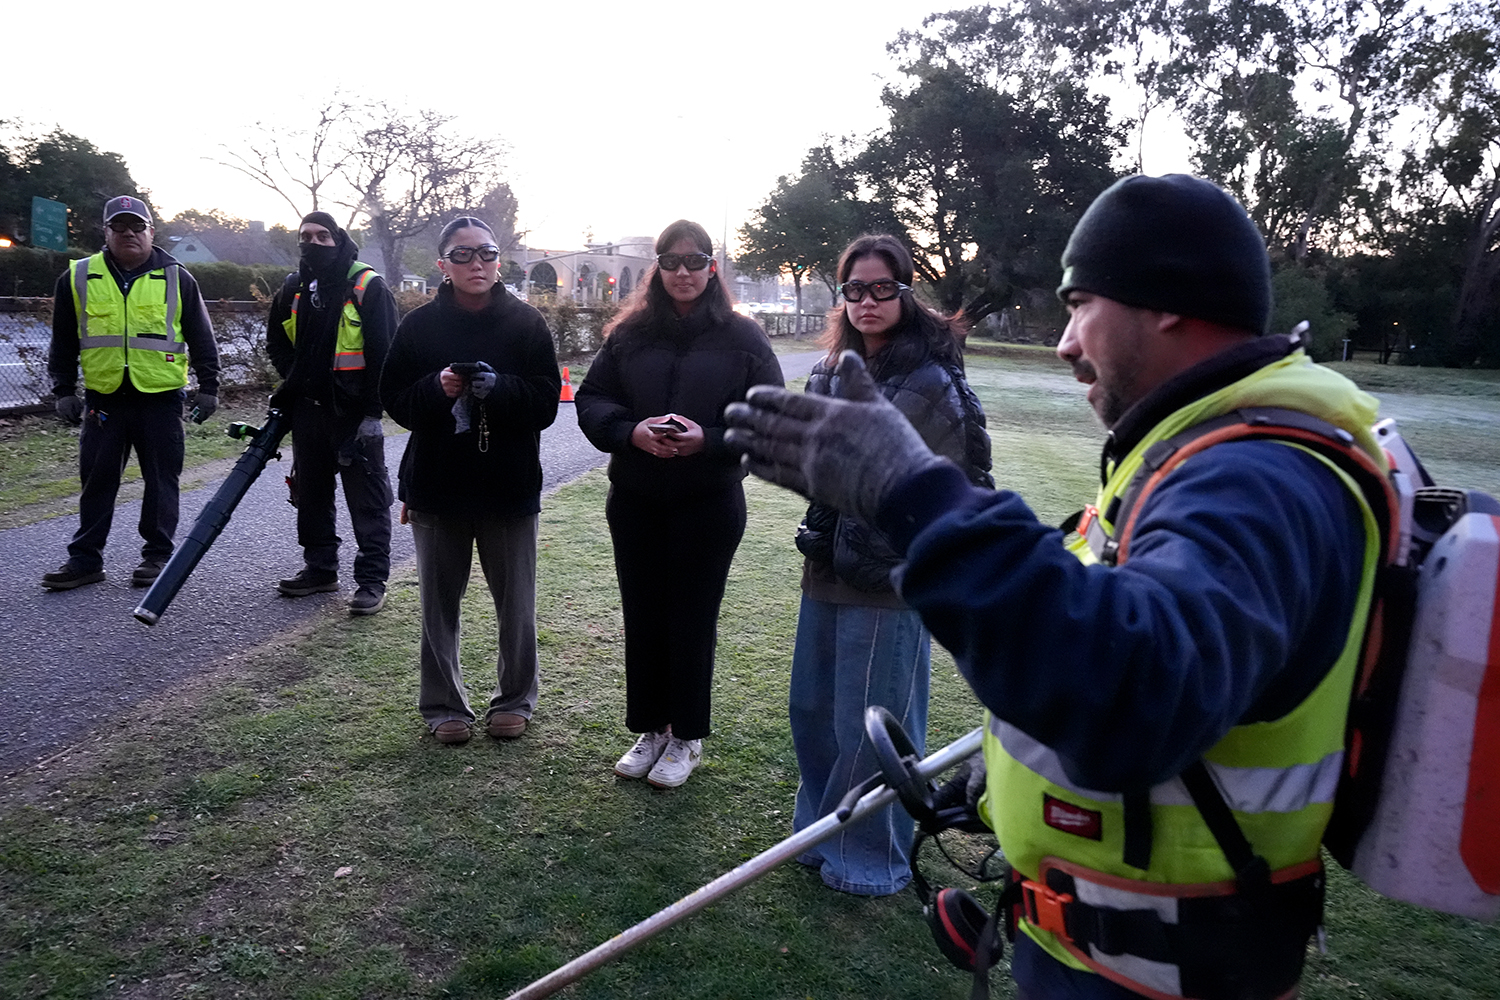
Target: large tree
{"x":984,"y":179}
{"x":804,"y":224}
{"x":1450,"y":176}
{"x":66,"y":168}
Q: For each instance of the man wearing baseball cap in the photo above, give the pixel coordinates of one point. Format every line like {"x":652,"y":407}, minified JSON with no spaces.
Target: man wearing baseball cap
{"x":1167,"y":689}
{"x":132,"y":317}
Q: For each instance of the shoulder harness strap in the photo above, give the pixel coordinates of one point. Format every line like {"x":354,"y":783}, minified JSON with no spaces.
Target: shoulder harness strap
{"x":1248,"y":423}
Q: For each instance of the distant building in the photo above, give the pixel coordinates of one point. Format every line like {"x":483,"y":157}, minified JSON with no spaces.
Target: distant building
{"x":253,"y":246}
{"x":601,"y":272}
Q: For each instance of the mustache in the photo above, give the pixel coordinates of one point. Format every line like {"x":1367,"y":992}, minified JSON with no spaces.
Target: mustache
{"x":1084,"y":371}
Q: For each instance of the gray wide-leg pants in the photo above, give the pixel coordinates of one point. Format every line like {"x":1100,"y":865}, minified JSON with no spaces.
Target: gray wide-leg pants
{"x":507,"y":554}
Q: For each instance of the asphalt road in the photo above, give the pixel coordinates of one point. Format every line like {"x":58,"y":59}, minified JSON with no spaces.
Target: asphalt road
{"x":71,"y":660}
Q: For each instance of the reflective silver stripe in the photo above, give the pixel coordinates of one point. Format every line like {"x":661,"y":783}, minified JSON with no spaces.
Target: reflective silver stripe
{"x":155,"y":344}
{"x":1246,"y":789}
{"x":1158,"y":976}
{"x":1042,"y":759}
{"x":81,"y":286}
{"x":1264,"y":789}
{"x":1112,"y":898}
{"x":90,"y":342}
{"x":172,"y":300}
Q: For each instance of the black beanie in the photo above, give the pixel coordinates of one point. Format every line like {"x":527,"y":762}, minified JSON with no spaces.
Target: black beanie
{"x":1176,"y":244}
{"x":322,"y":219}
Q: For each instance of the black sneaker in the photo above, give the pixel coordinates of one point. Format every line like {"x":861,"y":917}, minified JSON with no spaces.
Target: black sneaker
{"x":366,"y":601}
{"x":309,"y":581}
{"x":146,"y":573}
{"x":67,"y":576}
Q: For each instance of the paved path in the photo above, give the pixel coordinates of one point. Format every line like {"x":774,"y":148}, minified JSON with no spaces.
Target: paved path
{"x":70,"y":660}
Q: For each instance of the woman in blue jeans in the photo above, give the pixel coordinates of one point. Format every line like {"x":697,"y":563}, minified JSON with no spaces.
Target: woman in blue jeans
{"x":858,"y":644}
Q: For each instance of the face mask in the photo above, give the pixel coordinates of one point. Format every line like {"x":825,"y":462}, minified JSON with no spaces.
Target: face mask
{"x":318,"y":257}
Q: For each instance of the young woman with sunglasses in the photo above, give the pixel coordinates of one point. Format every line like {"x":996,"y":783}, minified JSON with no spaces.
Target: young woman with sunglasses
{"x":858,"y":644}
{"x":474,"y":376}
{"x":654,"y":399}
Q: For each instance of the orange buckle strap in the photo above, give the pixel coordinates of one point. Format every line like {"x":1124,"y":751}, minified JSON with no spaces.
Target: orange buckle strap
{"x":1045,"y":908}
{"x":1090,"y":515}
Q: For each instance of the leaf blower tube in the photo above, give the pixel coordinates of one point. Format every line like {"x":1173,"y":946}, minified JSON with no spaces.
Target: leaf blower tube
{"x":215,"y":514}
{"x":868,"y":798}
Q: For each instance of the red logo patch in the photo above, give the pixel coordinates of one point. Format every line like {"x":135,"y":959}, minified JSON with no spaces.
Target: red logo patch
{"x":171,"y":358}
{"x":1068,"y":818}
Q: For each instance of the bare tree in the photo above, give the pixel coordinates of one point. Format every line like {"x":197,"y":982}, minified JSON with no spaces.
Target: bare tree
{"x":406,"y":173}
{"x":400,"y":172}
{"x":297,"y":164}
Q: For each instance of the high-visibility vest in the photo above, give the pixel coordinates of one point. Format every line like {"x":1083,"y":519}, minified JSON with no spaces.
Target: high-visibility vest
{"x":141,"y":329}
{"x":349,"y":347}
{"x":1277,"y":777}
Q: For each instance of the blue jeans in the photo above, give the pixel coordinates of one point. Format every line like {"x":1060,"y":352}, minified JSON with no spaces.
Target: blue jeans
{"x":848,"y":657}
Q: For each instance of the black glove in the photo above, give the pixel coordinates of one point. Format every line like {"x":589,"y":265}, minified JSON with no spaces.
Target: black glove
{"x":70,"y":408}
{"x":846,"y":452}
{"x":957,"y":799}
{"x":204,"y":406}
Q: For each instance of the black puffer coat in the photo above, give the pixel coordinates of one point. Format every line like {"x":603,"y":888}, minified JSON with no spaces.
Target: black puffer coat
{"x":936,"y":398}
{"x":694,"y":367}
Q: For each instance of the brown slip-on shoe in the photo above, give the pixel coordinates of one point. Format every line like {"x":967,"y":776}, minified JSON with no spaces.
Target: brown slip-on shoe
{"x":506,"y":725}
{"x":452,"y":731}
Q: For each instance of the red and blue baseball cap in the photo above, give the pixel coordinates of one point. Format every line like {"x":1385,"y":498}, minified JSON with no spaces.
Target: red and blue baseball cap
{"x":126,"y":205}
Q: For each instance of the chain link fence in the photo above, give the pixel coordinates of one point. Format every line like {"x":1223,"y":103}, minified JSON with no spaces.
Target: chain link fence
{"x":239,"y":328}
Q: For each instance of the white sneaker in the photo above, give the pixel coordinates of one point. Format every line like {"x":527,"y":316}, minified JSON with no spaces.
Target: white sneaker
{"x":676,"y":763}
{"x":639,"y":758}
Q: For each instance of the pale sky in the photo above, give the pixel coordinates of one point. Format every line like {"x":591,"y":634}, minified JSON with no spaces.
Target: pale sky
{"x":619,"y":117}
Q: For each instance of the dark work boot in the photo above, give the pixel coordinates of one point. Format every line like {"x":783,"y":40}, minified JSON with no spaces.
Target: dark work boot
{"x":366,"y":601}
{"x":146,"y":573}
{"x":67,"y":576}
{"x":309,"y":581}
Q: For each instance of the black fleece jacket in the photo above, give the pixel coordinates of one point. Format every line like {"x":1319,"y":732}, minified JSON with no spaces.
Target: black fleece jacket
{"x":444,"y":473}
{"x":694,"y":367}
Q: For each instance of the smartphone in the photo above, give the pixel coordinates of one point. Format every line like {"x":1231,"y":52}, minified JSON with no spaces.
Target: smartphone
{"x":468,"y":369}
{"x":669,"y":426}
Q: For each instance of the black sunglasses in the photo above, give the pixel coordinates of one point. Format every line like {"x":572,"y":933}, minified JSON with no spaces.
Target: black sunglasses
{"x":121,"y":226}
{"x":463,"y":255}
{"x":693,"y":261}
{"x":880,"y":291}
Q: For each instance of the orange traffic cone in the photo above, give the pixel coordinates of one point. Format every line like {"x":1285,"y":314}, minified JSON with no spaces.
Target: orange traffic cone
{"x":567,"y":388}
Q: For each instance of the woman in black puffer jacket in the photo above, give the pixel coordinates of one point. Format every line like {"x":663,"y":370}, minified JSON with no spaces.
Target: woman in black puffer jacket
{"x":858,"y":644}
{"x":654,"y":399}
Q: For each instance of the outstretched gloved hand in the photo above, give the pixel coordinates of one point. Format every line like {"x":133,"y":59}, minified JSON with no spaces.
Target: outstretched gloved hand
{"x":70,"y":408}
{"x":846,"y":451}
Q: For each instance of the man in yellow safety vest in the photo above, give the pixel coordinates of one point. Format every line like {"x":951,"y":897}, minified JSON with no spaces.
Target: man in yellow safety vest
{"x":328,"y":331}
{"x":1167,"y":691}
{"x":133,"y":318}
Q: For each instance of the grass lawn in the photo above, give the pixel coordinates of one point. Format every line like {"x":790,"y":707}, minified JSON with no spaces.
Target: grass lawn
{"x":286,"y":828}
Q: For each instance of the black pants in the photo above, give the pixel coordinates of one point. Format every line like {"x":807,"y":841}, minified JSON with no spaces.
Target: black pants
{"x":151,"y":424}
{"x":672,"y":560}
{"x":324,"y":446}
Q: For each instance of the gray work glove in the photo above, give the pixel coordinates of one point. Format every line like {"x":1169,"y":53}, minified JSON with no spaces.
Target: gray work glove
{"x":204,"y":407}
{"x":846,"y":451}
{"x":370,"y":429}
{"x":70,"y":408}
{"x":481,"y":384}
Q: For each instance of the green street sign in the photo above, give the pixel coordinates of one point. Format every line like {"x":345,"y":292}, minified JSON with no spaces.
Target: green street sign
{"x":49,"y":224}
